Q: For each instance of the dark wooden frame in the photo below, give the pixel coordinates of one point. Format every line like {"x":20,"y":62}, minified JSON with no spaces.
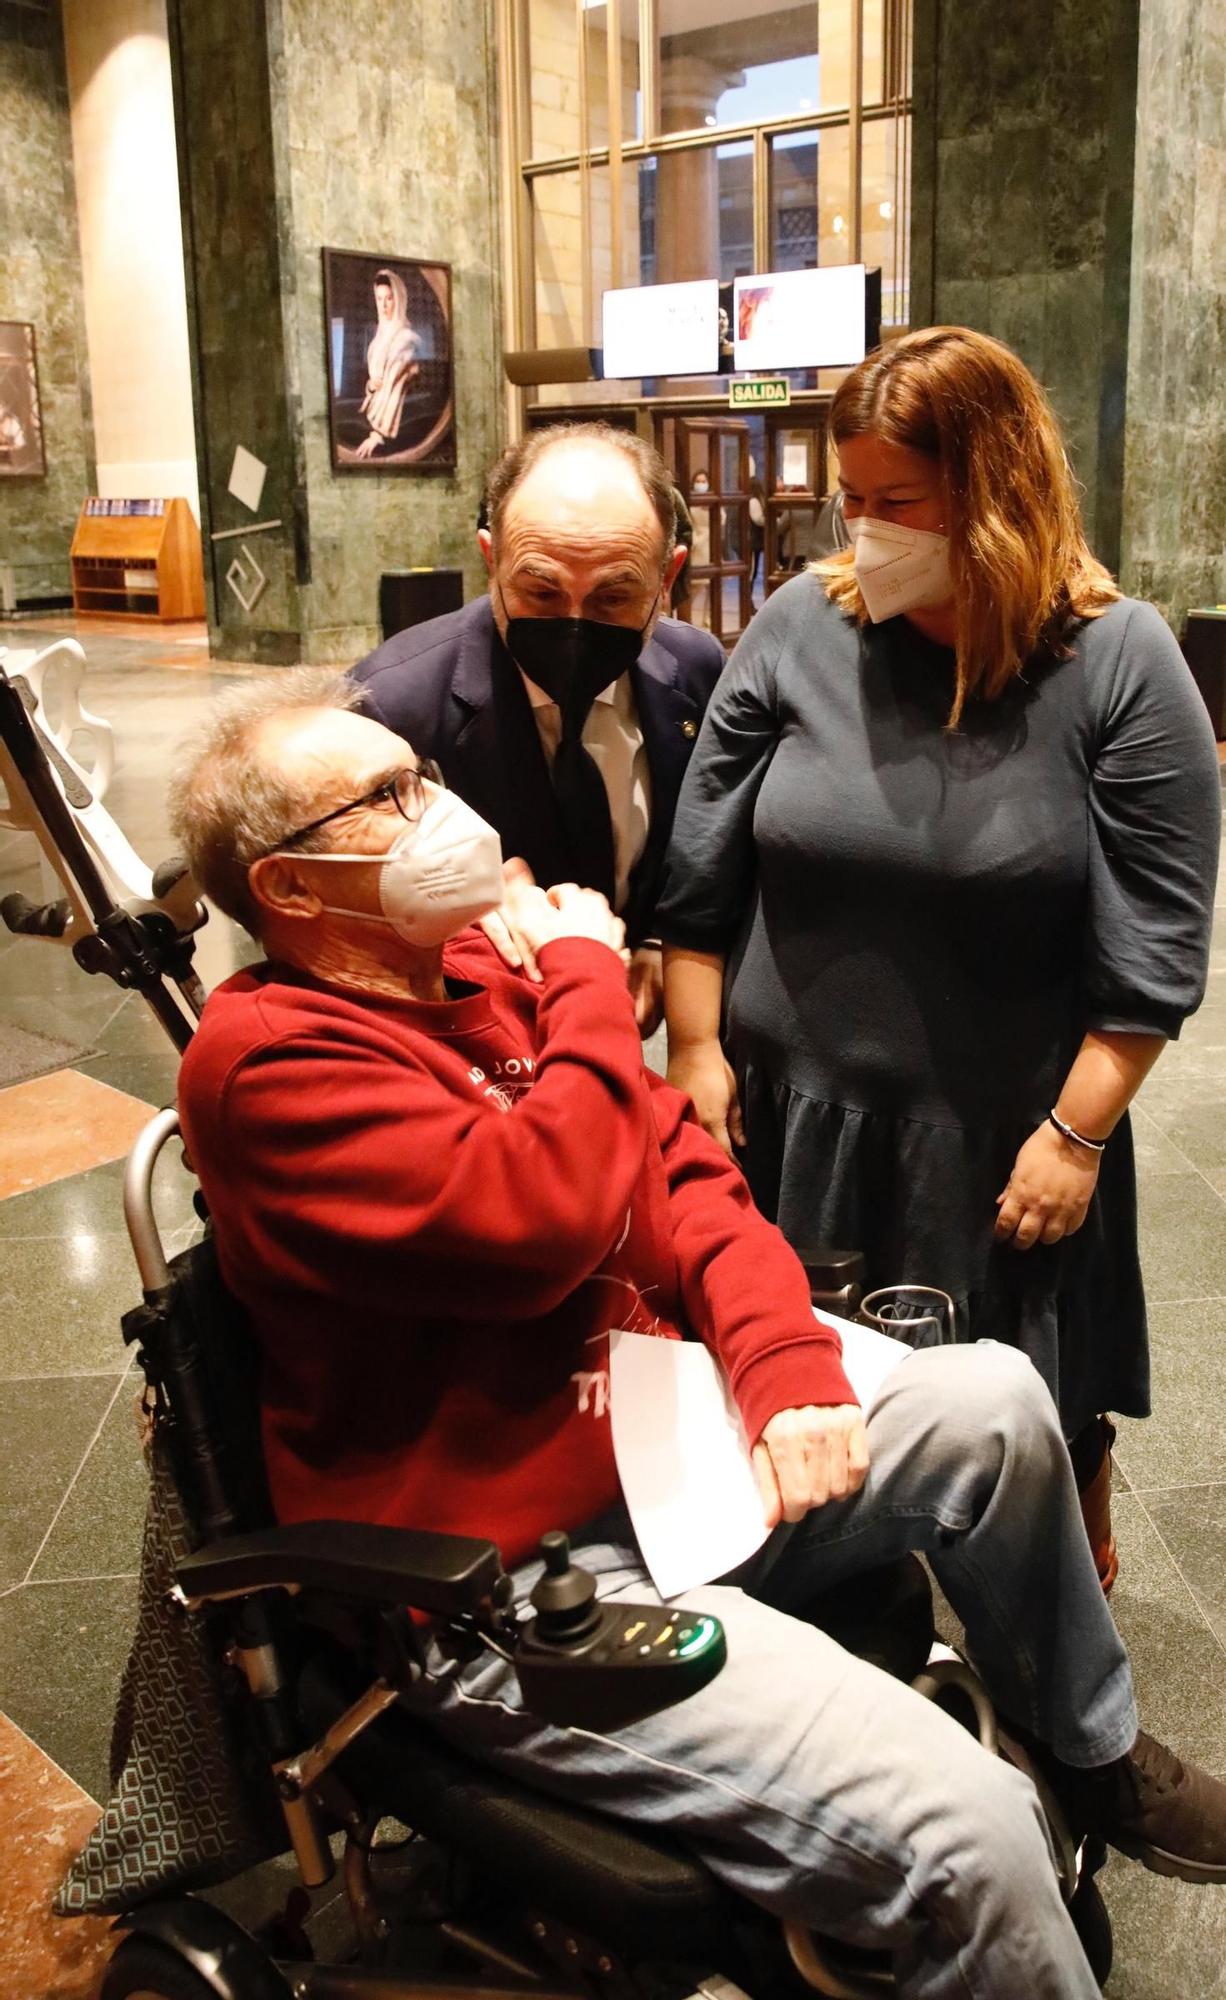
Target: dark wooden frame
{"x":715,"y":503}
{"x":784,"y":501}
{"x":33,"y":413}
{"x":435,"y":451}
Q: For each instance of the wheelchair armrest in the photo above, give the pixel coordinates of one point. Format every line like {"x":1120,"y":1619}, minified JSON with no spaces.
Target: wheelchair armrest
{"x":836,"y":1279}
{"x":445,"y":1575}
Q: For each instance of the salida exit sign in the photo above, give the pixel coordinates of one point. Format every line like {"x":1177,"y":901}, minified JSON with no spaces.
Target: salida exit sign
{"x":764,"y":392}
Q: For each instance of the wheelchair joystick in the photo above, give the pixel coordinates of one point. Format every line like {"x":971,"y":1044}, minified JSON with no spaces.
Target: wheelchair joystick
{"x":601,"y":1666}
{"x":565,"y":1598}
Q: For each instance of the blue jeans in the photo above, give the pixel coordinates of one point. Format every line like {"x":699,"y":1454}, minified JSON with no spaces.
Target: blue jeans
{"x":816,"y":1785}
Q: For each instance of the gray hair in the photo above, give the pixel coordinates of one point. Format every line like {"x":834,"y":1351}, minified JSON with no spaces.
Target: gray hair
{"x":227,"y":804}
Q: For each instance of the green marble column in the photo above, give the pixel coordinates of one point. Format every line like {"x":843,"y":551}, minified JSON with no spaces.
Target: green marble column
{"x":238,"y":316}
{"x":40,"y":282}
{"x":1174,"y":488}
{"x":1022,"y":205}
{"x":303,"y":126}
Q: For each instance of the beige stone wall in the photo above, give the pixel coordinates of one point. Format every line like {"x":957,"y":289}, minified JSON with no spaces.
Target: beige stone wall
{"x":561,"y":243}
{"x":126,"y":175}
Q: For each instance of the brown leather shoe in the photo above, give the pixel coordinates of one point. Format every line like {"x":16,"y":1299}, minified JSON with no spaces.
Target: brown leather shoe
{"x":1168,"y":1815}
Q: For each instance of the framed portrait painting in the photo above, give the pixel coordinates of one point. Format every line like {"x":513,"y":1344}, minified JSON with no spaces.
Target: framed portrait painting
{"x":21,"y":417}
{"x":391,"y":401}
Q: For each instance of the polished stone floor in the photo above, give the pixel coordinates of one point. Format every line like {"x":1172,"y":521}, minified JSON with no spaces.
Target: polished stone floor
{"x":71,"y":1479}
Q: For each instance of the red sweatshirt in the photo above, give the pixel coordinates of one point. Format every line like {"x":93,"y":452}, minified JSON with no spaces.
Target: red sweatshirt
{"x":435,"y":1213}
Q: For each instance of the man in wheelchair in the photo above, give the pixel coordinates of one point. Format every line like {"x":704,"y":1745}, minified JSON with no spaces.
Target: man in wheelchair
{"x":438,"y":1184}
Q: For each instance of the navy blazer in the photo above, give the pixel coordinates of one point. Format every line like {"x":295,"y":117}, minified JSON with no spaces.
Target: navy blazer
{"x":452,"y":690}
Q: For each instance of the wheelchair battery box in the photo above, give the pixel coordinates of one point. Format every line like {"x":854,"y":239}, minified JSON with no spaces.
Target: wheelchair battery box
{"x":638,"y":1659}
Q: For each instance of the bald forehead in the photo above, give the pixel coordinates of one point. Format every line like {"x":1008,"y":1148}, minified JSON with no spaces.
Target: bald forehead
{"x":325,"y":754}
{"x":577,"y":484}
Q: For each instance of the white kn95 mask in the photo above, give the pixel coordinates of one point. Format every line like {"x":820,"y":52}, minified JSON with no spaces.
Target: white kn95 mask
{"x":899,"y":568}
{"x":439,"y":875}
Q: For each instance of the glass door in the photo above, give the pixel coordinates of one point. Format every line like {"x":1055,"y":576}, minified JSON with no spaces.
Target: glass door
{"x":709,"y":461}
{"x":795,"y":491}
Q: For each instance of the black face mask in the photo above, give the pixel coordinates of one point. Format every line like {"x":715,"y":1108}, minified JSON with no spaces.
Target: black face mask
{"x":572,"y":659}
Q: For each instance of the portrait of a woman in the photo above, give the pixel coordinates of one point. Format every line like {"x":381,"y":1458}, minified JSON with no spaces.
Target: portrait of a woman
{"x":389,"y":364}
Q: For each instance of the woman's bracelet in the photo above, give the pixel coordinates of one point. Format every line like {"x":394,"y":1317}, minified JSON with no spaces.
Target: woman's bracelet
{"x":1078,"y":1138}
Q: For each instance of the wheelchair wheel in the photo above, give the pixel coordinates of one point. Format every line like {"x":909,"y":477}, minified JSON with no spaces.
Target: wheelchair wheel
{"x":144,"y":1970}
{"x":1092,"y":1923}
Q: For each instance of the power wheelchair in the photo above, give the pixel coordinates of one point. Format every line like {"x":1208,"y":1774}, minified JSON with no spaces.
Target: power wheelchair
{"x":259,"y":1712}
{"x":299,"y":1642}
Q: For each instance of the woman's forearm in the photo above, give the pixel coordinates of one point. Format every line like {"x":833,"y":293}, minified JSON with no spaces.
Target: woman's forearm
{"x":1106,"y":1075}
{"x":693,"y":990}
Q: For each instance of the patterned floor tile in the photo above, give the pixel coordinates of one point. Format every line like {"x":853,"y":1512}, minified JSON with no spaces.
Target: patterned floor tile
{"x":63,"y":1124}
{"x":46,"y":1819}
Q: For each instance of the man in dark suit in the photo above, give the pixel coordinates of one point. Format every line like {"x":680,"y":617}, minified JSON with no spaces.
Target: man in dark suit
{"x":564,"y":705}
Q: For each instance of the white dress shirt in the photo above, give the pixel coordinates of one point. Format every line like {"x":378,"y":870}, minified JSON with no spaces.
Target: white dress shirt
{"x":613,"y":737}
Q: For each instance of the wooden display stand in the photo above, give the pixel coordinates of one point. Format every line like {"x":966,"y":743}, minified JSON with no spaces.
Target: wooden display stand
{"x":134,"y":562}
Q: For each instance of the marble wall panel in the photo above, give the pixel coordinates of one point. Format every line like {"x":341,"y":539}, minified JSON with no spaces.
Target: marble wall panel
{"x":1174,"y":486}
{"x":1075,"y":186}
{"x":966,"y":107}
{"x":40,"y":281}
{"x":1017,"y":311}
{"x":389,"y":146}
{"x":1073,"y":355}
{"x":1018,"y":84}
{"x":1023,"y":177}
{"x":1020,"y":164}
{"x":924,"y":128}
{"x":964,"y":209}
{"x":225,"y":116}
{"x":1210,"y":85}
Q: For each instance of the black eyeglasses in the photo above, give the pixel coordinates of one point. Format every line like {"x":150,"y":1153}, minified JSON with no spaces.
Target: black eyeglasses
{"x":402,"y":790}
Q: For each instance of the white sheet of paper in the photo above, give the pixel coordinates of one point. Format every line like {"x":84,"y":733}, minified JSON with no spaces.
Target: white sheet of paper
{"x":682,"y":1456}
{"x":247,"y":477}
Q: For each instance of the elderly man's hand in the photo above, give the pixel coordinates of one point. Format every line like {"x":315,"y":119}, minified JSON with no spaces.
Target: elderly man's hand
{"x":510,"y":944}
{"x":647,"y":987}
{"x":534,"y":917}
{"x":807,"y":1456}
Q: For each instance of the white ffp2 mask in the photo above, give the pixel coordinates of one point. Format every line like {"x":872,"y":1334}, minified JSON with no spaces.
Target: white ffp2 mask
{"x":899,"y":568}
{"x":441,"y":873}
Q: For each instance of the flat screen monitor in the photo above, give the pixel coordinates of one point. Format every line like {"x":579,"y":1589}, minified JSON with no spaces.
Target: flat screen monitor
{"x":662,"y":330}
{"x":799,"y":319}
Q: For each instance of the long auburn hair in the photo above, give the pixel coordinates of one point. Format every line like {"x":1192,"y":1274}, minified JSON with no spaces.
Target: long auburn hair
{"x":1022,"y":569}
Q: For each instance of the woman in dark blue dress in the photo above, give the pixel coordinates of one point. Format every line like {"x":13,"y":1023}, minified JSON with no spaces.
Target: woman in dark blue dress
{"x":941,"y":883}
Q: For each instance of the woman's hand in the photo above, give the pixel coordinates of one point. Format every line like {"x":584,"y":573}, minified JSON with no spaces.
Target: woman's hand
{"x":647,"y":987}
{"x":1049,"y":1190}
{"x":700,"y":1069}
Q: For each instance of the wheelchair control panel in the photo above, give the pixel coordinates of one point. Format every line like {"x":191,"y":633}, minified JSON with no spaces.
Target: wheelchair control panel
{"x":602,"y":1666}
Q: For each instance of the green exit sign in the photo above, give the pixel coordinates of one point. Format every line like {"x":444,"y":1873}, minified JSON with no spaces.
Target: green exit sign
{"x":767,"y":391}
